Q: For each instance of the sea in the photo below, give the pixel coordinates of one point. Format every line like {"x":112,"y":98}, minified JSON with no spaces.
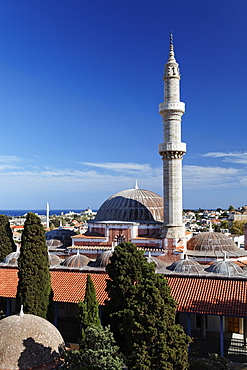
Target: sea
{"x":21,"y":212}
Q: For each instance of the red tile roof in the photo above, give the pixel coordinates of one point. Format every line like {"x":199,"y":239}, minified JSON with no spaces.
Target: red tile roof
{"x":69,"y":286}
{"x":211,"y":296}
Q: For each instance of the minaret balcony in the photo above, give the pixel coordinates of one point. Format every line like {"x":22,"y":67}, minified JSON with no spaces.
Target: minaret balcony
{"x":173,"y":147}
{"x":180,"y":106}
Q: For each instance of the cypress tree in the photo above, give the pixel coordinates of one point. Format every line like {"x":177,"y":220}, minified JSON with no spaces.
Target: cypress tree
{"x":98,"y":350}
{"x":7,"y":244}
{"x":143,"y":313}
{"x":34,"y":286}
{"x":89,"y":308}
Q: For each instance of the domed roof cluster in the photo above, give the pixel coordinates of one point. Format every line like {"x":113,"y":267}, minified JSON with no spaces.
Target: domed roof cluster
{"x":28,"y":341}
{"x":132,"y":205}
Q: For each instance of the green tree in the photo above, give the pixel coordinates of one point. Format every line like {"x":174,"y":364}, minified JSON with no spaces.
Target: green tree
{"x":89,"y":308}
{"x":224,"y":224}
{"x":231,"y":209}
{"x":142,"y":313}
{"x":34,"y":286}
{"x":7,"y":244}
{"x":98,"y":351}
{"x":238,"y":227}
{"x":98,"y":348}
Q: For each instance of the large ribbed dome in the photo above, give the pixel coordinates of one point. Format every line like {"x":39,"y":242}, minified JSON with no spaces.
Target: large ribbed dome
{"x":132,"y":205}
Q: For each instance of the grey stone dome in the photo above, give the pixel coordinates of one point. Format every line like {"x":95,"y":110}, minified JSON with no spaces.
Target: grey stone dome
{"x":103,"y":259}
{"x":132,"y":205}
{"x":54,"y":260}
{"x":12,"y":258}
{"x":28,"y":341}
{"x":213,"y":245}
{"x":159,"y":264}
{"x":209,"y":241}
{"x":62,"y":235}
{"x":186,"y":265}
{"x":225,"y":267}
{"x":76,"y":261}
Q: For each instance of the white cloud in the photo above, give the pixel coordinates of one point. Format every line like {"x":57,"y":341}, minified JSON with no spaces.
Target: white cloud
{"x":9,"y":158}
{"x":120,"y":167}
{"x":229,"y":157}
{"x":199,"y":176}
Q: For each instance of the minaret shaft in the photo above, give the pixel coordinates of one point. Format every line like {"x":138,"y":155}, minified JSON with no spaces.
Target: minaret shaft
{"x":172,"y":150}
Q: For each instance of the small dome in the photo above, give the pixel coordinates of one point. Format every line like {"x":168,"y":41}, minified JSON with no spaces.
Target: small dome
{"x":76,"y":261}
{"x":225,"y":267}
{"x":186,"y":265}
{"x":54,"y":259}
{"x":53,"y":243}
{"x":211,"y":241}
{"x":210,"y":246}
{"x":103,"y":259}
{"x":28,"y":341}
{"x":63,"y":235}
{"x":12,"y":258}
{"x":159,"y":264}
{"x":132,"y":205}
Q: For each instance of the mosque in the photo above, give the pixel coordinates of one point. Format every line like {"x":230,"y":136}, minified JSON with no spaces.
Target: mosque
{"x":207,"y":273}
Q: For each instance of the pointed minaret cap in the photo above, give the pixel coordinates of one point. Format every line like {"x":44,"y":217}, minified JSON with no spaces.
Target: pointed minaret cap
{"x":136,"y":185}
{"x":171,"y":57}
{"x":149,"y":257}
{"x":21,"y":311}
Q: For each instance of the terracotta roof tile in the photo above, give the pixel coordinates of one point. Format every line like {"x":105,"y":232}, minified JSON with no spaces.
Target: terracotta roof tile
{"x":211,"y":296}
{"x":69,"y":286}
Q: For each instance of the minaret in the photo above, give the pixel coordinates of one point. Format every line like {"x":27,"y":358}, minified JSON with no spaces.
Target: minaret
{"x":172,"y":150}
{"x":47,"y":215}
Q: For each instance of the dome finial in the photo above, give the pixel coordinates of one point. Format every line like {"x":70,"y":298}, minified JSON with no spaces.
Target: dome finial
{"x":210,"y":227}
{"x":136,"y":185}
{"x":21,"y":311}
{"x":171,"y":38}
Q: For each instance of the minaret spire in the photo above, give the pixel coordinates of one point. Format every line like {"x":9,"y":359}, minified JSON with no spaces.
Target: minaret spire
{"x":172,"y":149}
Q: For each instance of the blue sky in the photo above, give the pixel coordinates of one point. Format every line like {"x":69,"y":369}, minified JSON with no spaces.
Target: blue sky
{"x":80,"y":84}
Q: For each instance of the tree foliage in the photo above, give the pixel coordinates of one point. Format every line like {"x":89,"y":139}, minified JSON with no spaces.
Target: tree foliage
{"x":238,"y":227}
{"x":89,"y":308}
{"x":143,"y":313}
{"x":7,"y":244}
{"x":98,"y":351}
{"x":34,"y":286}
{"x":98,"y":348}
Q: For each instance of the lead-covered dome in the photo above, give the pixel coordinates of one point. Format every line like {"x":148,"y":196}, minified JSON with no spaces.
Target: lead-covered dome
{"x":28,"y":341}
{"x":213,"y":245}
{"x":132,"y":205}
{"x":225,"y":267}
{"x":186,"y":266}
{"x":76,"y":261}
